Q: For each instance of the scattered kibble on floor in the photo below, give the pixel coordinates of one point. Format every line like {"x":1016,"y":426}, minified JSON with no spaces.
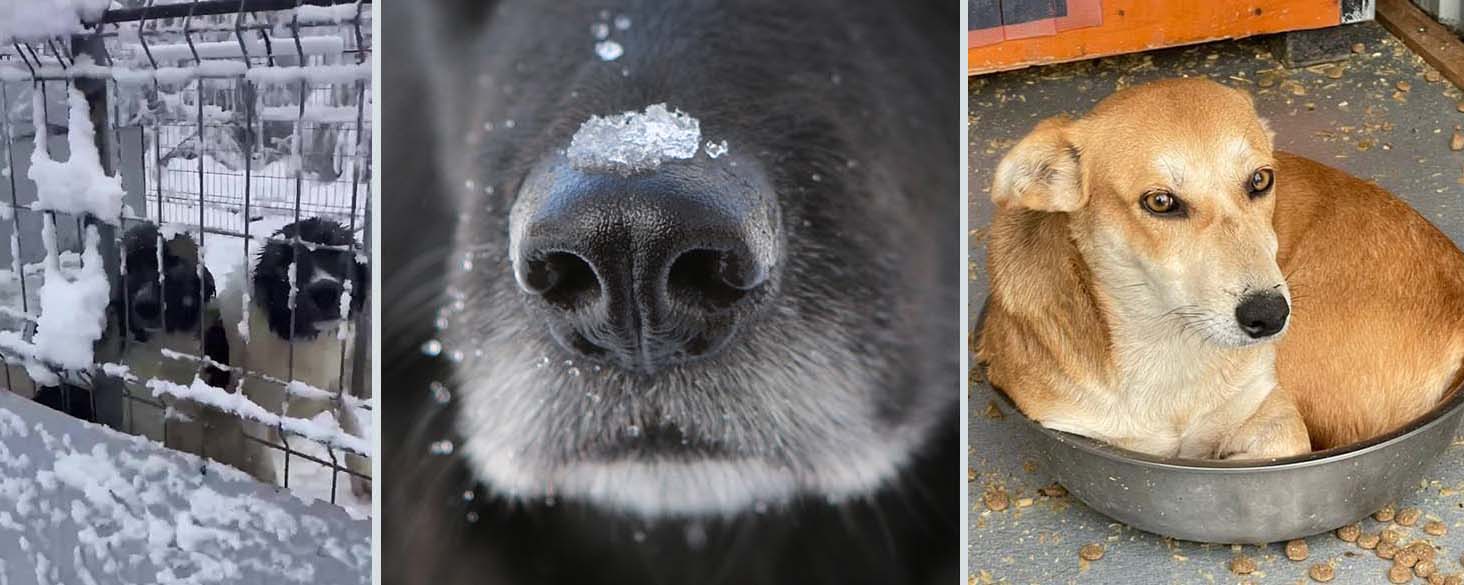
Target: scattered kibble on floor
{"x":1349,"y":532}
{"x":1425,"y":568}
{"x":1296,"y":550}
{"x":1385,"y":514}
{"x":1322,"y":572}
{"x":1406,"y":558}
{"x":1242,"y":565}
{"x":1386,"y":550}
{"x":1091,"y":552}
{"x":996,"y":499}
{"x":1408,"y":516}
{"x":1424,"y":550}
{"x":1368,"y":541}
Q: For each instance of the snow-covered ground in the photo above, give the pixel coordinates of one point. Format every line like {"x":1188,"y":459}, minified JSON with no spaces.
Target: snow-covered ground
{"x":81,"y":503}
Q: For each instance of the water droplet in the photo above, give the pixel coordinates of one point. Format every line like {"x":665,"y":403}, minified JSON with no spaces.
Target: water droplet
{"x":472,"y":517}
{"x":443,"y":447}
{"x":508,"y":124}
{"x":600,"y":30}
{"x":639,"y":536}
{"x":760,"y":507}
{"x":467,"y":263}
{"x":817,"y":178}
{"x":625,"y":72}
{"x":593,"y":398}
{"x":439,"y":392}
{"x":487,"y":126}
{"x":633,"y":431}
{"x":574,"y":372}
{"x":609,"y":50}
{"x":488,"y":189}
{"x":456,"y":356}
{"x":432,"y":347}
{"x":622,"y":22}
{"x":696,"y":535}
{"x":470,"y":184}
{"x":440,"y":323}
{"x":469,"y":495}
{"x":542,"y":361}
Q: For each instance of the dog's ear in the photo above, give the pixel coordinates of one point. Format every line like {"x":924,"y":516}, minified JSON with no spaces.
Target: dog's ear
{"x":208,"y":285}
{"x":362,"y":286}
{"x":1041,"y":172}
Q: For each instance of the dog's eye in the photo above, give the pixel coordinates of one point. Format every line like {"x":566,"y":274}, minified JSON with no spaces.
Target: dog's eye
{"x":1261,"y":181}
{"x":1161,"y":203}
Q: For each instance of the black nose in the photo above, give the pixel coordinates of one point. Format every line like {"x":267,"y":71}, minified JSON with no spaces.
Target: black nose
{"x":649,"y":270}
{"x":145,"y":304}
{"x":1262,"y":314}
{"x":326,"y":294}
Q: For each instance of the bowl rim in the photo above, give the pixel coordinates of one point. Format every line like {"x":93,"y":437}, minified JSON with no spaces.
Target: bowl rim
{"x":1428,"y":420}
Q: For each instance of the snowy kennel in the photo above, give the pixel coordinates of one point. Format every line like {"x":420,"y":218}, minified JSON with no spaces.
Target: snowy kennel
{"x":222,"y":119}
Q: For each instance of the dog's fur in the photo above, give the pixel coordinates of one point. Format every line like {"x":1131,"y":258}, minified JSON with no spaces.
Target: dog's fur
{"x":1108,"y":321}
{"x":297,"y":339}
{"x":832,"y":411}
{"x":173,"y":280}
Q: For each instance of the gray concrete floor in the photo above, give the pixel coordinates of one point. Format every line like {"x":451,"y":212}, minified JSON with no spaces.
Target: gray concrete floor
{"x":1360,"y":123}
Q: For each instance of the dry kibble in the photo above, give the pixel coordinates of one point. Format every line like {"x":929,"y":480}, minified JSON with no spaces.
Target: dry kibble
{"x":1349,"y":532}
{"x":1424,"y":550}
{"x":1091,"y":552}
{"x":1406,"y":558}
{"x":1400,"y":574}
{"x":1435,"y":579}
{"x":1404,"y":86}
{"x":996,"y":499}
{"x":1432,"y":76}
{"x":1389,"y":536}
{"x":1385,"y":514}
{"x":1054,"y":491}
{"x":1454,"y":579}
{"x":1408,"y":516}
{"x":1386,"y":550}
{"x":1358,"y":47}
{"x":1322,"y":572}
{"x":1368,"y":541}
{"x":1459,"y":106}
{"x":1242,"y":565}
{"x":1296,"y":550}
{"x":1425,"y":568}
{"x":1457,"y":142}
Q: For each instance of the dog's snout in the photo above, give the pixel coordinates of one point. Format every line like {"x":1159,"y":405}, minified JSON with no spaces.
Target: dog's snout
{"x":147,"y":304}
{"x":650,"y":270}
{"x":326,"y":294}
{"x":1262,"y":314}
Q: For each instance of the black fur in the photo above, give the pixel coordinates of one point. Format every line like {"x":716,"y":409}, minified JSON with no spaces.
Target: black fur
{"x":183,"y":292}
{"x":272,"y":285}
{"x":863,"y":95}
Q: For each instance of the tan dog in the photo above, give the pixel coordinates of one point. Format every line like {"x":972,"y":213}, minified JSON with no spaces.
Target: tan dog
{"x":1164,"y":281}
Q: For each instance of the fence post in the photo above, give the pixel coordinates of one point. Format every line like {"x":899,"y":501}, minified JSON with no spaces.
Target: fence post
{"x":106,"y":393}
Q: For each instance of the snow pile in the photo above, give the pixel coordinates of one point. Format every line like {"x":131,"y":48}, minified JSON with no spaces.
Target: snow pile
{"x":83,"y":504}
{"x":78,"y":185}
{"x":36,"y":20}
{"x":73,"y":310}
{"x":635,"y":142}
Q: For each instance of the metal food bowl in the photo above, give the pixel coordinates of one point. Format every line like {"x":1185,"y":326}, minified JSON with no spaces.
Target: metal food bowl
{"x":1249,"y":502}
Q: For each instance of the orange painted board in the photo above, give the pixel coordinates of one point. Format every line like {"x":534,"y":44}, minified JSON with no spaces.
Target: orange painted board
{"x":1140,"y":25}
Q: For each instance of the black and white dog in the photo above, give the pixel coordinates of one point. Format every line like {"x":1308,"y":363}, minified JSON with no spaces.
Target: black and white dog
{"x":307,"y":288}
{"x":166,"y":307}
{"x":670,"y":292}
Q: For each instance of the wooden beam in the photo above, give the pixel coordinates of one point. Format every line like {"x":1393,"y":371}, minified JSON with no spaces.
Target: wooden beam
{"x":1425,"y":36}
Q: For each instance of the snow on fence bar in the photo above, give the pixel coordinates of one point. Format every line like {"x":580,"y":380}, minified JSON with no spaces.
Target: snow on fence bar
{"x":224,"y":120}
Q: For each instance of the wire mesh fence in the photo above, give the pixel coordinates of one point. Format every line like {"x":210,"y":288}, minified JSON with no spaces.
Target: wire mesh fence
{"x":236,"y":273}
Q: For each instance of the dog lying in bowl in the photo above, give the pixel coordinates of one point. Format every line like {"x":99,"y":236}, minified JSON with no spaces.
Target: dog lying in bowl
{"x":1163,"y":280}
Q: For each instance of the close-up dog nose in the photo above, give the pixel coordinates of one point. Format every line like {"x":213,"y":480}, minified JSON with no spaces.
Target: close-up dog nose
{"x":326,"y":294}
{"x":1262,"y":314}
{"x":649,"y":270}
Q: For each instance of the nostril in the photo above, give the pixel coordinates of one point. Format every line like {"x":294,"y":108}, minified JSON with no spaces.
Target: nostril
{"x":564,"y":280}
{"x":711,"y":279}
{"x":1262,"y":315}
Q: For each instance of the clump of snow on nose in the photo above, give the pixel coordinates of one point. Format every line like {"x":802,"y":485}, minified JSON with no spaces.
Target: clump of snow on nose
{"x":634,"y":142}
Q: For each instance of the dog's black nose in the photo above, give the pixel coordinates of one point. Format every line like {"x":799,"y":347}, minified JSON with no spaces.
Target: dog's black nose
{"x":1262,"y":314}
{"x":648,"y":270}
{"x":326,"y":294}
{"x":146,"y":304}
